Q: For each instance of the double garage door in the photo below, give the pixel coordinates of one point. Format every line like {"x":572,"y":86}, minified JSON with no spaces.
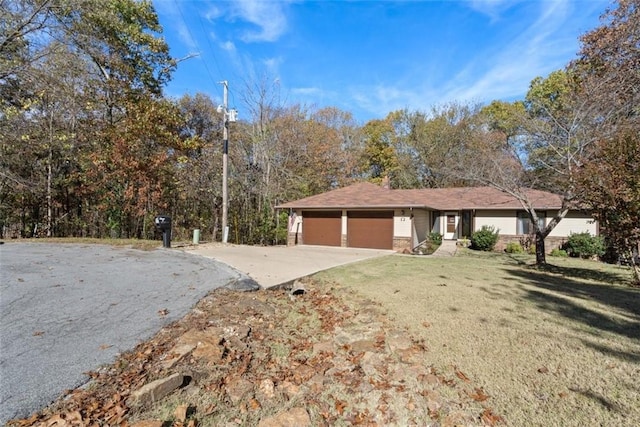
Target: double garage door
{"x":365,"y":229}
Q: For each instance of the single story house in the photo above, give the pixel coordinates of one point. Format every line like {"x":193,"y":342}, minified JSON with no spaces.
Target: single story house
{"x":366,"y":215}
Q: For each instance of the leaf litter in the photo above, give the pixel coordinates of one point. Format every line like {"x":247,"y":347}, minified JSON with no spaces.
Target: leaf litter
{"x":317,"y":358}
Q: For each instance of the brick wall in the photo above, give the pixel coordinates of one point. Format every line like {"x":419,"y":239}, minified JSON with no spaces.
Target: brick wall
{"x":401,"y":243}
{"x":550,"y":242}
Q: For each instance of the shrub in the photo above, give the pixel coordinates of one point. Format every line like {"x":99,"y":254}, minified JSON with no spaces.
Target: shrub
{"x":584,"y":245}
{"x":532,"y":249}
{"x":435,"y":238}
{"x":429,"y":246}
{"x":484,"y":239}
{"x":559,"y":253}
{"x":514,"y":248}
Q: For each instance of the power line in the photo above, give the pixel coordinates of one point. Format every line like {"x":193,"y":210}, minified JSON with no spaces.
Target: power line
{"x":204,"y":61}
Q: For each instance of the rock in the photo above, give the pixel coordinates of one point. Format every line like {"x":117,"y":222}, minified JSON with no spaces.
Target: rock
{"x":206,"y":344}
{"x":297,"y":417}
{"x":239,"y":331}
{"x":180,"y":412}
{"x":156,"y":390}
{"x":368,"y":331}
{"x":303,"y":373}
{"x":238,"y":388}
{"x":398,"y":340}
{"x":323,"y":347}
{"x":363,"y":345}
{"x":434,"y":400}
{"x":316,"y":383}
{"x":243,"y":284}
{"x":410,"y":355}
{"x":373,"y":364}
{"x":176,"y":354}
{"x":267,"y":389}
{"x":289,"y":389}
{"x":431,"y":379}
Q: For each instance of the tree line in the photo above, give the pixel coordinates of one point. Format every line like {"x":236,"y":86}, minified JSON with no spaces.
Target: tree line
{"x":90,"y":146}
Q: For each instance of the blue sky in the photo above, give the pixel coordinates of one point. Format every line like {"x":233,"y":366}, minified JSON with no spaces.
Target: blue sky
{"x":372,"y":57}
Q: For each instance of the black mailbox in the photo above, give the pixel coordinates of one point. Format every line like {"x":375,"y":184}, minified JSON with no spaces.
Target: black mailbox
{"x":163,"y":223}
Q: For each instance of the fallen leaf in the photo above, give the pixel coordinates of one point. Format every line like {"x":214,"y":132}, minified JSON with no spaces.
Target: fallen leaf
{"x":489,"y":418}
{"x":543,"y":370}
{"x":209,"y":409}
{"x":461,"y":375}
{"x":163,"y":312}
{"x":74,"y":417}
{"x":426,"y":324}
{"x":340,"y":405}
{"x":478,"y":395}
{"x":56,"y":420}
{"x":38,"y":333}
{"x":181,"y":412}
{"x":105,"y":346}
{"x":254,"y":405}
{"x":562,"y":394}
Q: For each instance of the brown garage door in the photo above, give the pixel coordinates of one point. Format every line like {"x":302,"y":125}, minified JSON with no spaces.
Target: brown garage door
{"x":367,"y":229}
{"x":322,"y":228}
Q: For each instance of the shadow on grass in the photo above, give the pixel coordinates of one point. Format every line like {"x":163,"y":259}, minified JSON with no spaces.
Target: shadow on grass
{"x":619,"y":354}
{"x":562,"y":294}
{"x":587,"y":274}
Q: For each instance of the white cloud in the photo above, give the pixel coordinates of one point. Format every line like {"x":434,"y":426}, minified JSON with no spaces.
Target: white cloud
{"x":534,"y":52}
{"x":492,"y":8}
{"x":307,"y":91}
{"x":501,"y":72}
{"x":269,"y":16}
{"x":172,"y":9}
{"x":229,"y":46}
{"x":272,"y":65}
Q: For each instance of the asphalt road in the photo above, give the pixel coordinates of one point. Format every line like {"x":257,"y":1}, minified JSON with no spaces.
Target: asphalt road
{"x":66,"y":309}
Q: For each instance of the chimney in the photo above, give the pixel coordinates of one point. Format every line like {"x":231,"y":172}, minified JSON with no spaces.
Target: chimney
{"x":386,"y":182}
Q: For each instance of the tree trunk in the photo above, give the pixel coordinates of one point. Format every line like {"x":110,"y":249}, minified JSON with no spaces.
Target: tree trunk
{"x":540,"y":252}
{"x":635,"y":267}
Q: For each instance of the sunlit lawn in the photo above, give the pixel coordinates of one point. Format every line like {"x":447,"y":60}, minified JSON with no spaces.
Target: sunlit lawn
{"x":552,"y":346}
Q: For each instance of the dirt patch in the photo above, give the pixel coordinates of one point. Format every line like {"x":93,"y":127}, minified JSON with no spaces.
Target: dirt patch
{"x":319,"y":357}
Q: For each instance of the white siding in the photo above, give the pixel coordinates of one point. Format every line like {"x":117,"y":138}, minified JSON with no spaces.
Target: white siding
{"x":344,"y":223}
{"x":574,"y":222}
{"x":401,"y":223}
{"x":503,"y":220}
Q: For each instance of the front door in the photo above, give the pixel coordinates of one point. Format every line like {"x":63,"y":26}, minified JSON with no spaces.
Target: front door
{"x":451,"y":224}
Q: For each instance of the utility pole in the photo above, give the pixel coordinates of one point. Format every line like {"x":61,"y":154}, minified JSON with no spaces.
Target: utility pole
{"x":229,"y":116}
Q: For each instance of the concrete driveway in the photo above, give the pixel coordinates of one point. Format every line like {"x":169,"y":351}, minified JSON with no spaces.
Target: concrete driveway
{"x":66,"y":309}
{"x":278,"y":265}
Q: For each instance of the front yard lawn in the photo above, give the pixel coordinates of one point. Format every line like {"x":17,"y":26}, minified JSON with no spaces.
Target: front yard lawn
{"x":552,"y":346}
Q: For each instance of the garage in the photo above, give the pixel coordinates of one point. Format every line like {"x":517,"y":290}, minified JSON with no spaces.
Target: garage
{"x":322,"y":228}
{"x":370,"y":229}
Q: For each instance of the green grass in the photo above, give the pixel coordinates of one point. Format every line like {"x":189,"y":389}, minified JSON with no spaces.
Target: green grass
{"x":557,"y":345}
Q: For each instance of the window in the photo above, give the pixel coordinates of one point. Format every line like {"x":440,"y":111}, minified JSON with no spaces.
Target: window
{"x":524,"y":225}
